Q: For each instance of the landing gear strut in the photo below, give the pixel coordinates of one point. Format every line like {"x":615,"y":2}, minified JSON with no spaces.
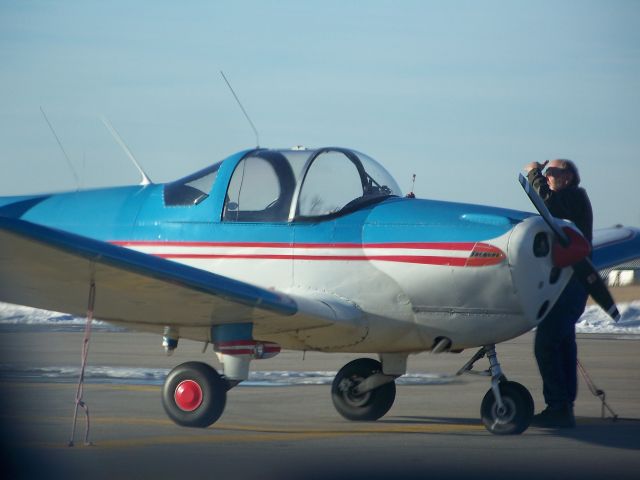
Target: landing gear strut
{"x":507,"y":408}
{"x":194,"y":394}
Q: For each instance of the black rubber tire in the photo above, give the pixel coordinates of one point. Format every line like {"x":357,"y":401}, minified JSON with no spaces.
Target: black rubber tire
{"x":518,"y":414}
{"x":365,"y":407}
{"x":527,"y":396}
{"x":214,"y":394}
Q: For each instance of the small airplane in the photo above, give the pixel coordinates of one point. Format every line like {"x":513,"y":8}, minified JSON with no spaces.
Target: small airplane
{"x":302,"y":249}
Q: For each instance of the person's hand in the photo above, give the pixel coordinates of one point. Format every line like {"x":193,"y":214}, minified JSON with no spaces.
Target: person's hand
{"x":534,"y":165}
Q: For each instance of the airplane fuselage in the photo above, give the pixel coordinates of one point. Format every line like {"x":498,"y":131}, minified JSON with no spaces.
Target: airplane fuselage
{"x":418,"y":270}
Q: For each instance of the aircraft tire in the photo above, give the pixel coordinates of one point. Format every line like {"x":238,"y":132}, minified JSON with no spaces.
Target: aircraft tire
{"x":518,"y":412}
{"x":194,"y":395}
{"x":367,"y":406}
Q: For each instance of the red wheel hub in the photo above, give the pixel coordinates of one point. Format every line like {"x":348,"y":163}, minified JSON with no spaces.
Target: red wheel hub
{"x":188,"y":395}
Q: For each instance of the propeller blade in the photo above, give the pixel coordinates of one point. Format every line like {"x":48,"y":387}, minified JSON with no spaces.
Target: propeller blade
{"x":544,"y":211}
{"x":595,"y":286}
{"x":584,"y":269}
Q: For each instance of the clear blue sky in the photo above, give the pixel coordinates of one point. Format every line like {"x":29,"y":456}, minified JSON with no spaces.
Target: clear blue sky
{"x":462,"y":93}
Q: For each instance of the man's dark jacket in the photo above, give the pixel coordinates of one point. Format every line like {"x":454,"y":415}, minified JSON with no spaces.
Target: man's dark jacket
{"x":571,"y":203}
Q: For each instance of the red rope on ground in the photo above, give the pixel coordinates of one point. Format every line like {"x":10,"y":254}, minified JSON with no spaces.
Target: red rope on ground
{"x":597,"y":392}
{"x":85,"y":354}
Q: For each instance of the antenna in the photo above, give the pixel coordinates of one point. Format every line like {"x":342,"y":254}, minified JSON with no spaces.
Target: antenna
{"x":413,"y":184}
{"x":243,"y":110}
{"x":75,"y":175}
{"x":116,"y":136}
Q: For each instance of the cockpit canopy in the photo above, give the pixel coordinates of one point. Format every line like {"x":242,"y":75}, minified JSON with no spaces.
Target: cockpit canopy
{"x":285,"y":185}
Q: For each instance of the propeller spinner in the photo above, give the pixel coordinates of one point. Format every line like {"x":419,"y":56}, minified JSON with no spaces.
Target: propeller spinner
{"x":572,"y":249}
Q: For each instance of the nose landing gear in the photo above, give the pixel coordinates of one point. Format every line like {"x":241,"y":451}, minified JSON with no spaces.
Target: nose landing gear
{"x":513,"y":416}
{"x":507,"y":408}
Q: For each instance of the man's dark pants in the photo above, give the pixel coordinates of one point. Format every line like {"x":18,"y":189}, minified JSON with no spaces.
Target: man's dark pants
{"x":555,"y":347}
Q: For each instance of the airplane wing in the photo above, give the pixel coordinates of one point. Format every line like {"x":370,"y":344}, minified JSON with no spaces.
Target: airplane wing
{"x":52,"y":269}
{"x":614,"y":246}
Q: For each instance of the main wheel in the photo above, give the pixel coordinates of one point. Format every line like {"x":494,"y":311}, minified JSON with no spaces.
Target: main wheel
{"x":194,"y":395}
{"x":364,"y":406}
{"x":516,"y":415}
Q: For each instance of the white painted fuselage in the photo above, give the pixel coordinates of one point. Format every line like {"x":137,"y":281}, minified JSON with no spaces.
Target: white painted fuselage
{"x":410,"y":295}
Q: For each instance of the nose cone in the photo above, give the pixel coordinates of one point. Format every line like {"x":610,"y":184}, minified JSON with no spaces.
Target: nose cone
{"x":537,"y":281}
{"x":577,"y":250}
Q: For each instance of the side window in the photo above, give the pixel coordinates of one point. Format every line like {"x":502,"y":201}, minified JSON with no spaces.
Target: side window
{"x":253,"y":194}
{"x":191,"y":190}
{"x":331,"y":183}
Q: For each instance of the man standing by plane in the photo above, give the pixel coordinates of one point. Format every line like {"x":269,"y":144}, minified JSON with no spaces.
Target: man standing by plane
{"x":555,"y":342}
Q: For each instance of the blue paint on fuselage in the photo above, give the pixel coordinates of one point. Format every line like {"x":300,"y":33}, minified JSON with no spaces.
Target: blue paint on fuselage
{"x":101,"y":213}
{"x":15,"y":207}
{"x":415,"y":220}
{"x":139,"y":213}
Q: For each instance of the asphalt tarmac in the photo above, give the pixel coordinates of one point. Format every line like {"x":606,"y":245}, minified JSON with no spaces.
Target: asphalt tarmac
{"x":290,"y":432}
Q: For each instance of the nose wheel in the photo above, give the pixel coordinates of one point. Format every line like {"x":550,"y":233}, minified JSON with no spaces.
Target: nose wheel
{"x":507,"y":408}
{"x":513,"y":416}
{"x":194,"y":395}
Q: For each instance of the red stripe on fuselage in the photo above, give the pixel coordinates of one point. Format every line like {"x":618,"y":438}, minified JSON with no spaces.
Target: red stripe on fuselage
{"x":427,"y":260}
{"x":480,"y":254}
{"x":408,"y":245}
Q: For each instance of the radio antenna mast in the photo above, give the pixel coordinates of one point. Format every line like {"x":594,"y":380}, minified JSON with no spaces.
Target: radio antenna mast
{"x":413,"y":186}
{"x":242,"y":108}
{"x":73,"y":170}
{"x":116,"y":136}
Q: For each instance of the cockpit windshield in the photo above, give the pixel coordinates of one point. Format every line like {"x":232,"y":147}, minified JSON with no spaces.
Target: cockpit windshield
{"x":284,"y":185}
{"x":339,"y":180}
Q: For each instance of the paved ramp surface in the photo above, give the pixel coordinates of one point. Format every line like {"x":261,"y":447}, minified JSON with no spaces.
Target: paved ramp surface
{"x":432,"y":431}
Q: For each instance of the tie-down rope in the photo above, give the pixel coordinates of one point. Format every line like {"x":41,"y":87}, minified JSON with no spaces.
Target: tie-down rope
{"x":85,"y":354}
{"x":597,"y":392}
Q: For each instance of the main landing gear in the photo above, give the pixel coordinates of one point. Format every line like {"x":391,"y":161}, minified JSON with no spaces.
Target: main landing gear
{"x":194,"y":394}
{"x":360,"y":390}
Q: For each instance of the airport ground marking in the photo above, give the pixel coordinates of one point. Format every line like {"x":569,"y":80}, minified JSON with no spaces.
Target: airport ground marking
{"x":259,"y":434}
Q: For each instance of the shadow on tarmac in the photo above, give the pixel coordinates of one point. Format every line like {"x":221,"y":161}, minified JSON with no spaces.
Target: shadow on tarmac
{"x":415,"y":420}
{"x":623,"y":433}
